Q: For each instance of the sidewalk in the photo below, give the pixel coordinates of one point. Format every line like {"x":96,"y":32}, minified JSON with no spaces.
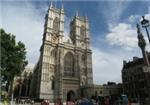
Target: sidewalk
{"x":135,"y":104}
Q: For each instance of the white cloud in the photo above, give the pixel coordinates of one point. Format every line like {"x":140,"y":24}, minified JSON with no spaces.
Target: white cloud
{"x":106,"y":66}
{"x":30,"y":66}
{"x":134,"y":18}
{"x":147,"y":16}
{"x":123,"y":35}
{"x":114,"y":10}
{"x":24,"y":21}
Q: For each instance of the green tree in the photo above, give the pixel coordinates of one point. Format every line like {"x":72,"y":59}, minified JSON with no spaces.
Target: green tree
{"x":13,"y":58}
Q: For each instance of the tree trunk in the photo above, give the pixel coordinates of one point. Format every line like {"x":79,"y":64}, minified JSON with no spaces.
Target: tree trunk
{"x":10,"y":88}
{"x":20,"y":89}
{"x":26,"y":87}
{"x":7,"y":86}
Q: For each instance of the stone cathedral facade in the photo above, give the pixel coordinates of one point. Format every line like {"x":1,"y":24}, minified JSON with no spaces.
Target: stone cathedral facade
{"x":64,"y":68}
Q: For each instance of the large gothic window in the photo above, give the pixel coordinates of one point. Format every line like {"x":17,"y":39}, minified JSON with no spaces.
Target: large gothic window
{"x":56,"y":25}
{"x":82,"y":32}
{"x":69,"y":65}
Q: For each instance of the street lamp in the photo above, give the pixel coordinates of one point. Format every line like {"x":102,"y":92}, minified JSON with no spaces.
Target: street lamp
{"x":145,"y":24}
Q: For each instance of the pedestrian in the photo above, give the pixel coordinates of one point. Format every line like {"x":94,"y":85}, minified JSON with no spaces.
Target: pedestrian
{"x":43,"y":102}
{"x":106,"y":101}
{"x":69,"y":103}
{"x":129,"y":101}
{"x":47,"y":103}
{"x":58,"y":102}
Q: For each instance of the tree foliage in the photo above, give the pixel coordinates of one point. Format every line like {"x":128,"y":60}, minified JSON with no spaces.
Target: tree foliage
{"x":13,"y":57}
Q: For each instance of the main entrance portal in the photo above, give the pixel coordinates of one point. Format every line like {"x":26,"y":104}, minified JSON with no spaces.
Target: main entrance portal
{"x":70,"y":96}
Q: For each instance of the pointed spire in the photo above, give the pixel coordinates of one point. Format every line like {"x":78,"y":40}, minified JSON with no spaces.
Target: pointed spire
{"x":77,"y":13}
{"x":86,"y":18}
{"x":51,"y":6}
{"x":62,"y":5}
{"x":55,"y":3}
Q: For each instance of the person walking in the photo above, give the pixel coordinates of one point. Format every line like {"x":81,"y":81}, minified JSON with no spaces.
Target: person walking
{"x":106,"y":101}
{"x":129,"y":102}
{"x":44,"y":102}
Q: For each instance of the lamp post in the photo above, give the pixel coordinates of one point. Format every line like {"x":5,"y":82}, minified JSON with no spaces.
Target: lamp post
{"x":145,"y":24}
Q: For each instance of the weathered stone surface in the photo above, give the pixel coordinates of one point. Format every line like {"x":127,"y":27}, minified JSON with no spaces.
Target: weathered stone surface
{"x":65,"y":64}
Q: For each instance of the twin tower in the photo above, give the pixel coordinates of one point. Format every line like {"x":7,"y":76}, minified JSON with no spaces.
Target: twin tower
{"x":64,"y":68}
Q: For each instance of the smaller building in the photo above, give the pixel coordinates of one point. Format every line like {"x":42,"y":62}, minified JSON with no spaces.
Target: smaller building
{"x":109,"y":89}
{"x":22,"y":83}
{"x":135,"y":79}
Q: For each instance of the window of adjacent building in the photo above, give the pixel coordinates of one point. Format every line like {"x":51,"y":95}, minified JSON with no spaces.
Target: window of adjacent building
{"x":110,"y":92}
{"x":100,"y":92}
{"x":69,"y":65}
{"x":96,"y":93}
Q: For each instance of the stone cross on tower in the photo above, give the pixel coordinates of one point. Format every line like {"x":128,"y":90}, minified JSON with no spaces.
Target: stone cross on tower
{"x":142,"y":45}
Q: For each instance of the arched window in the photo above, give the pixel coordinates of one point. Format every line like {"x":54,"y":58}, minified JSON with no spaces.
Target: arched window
{"x":53,"y":56}
{"x":56,"y":25}
{"x":101,"y":92}
{"x":82,"y":32}
{"x":69,"y":65}
{"x":83,"y":61}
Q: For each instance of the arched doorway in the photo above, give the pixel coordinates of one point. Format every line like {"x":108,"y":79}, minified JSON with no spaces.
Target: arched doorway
{"x":70,"y":96}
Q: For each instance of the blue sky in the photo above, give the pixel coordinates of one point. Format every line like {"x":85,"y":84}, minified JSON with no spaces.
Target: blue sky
{"x":112,"y":29}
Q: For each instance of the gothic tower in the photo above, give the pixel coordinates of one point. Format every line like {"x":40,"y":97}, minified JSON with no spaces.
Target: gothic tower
{"x":79,"y":34}
{"x":65,"y":64}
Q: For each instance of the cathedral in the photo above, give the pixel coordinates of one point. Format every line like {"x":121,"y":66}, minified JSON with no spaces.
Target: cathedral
{"x":64,"y":68}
